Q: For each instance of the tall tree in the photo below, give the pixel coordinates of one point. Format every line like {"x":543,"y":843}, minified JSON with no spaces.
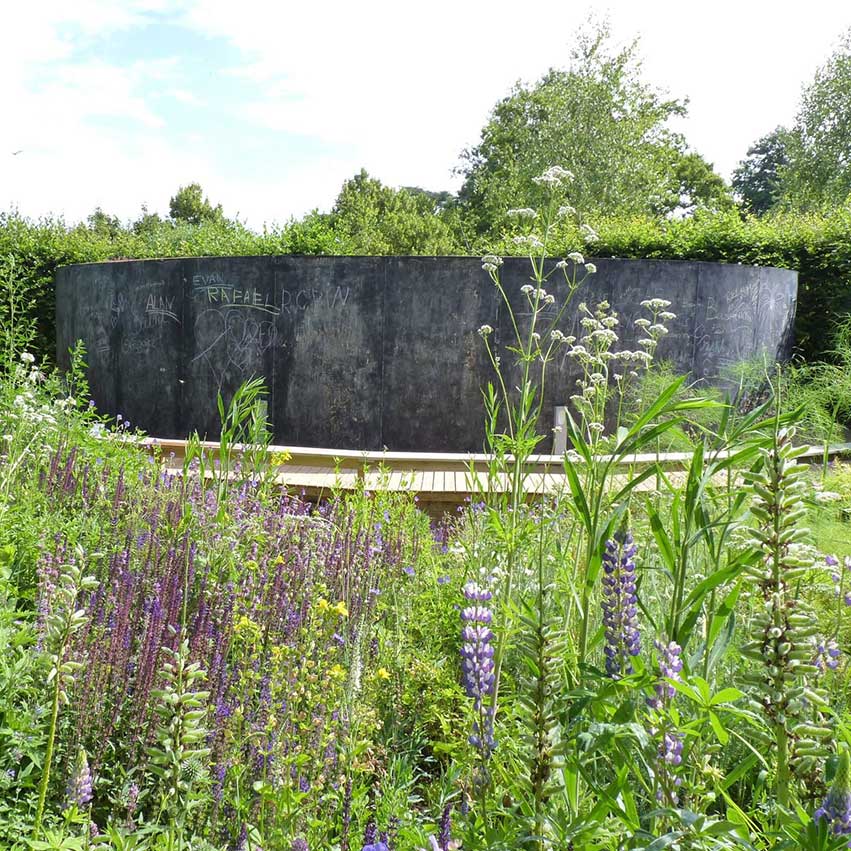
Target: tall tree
{"x":819,"y":145}
{"x":758,"y":177}
{"x":598,"y":119}
{"x":190,"y":205}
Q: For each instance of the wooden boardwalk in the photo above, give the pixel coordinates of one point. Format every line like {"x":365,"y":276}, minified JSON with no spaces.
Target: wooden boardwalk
{"x":440,"y":480}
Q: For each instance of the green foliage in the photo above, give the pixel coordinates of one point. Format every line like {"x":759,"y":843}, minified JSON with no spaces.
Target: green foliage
{"x":370,"y":218}
{"x":819,"y":145}
{"x":757,"y":178}
{"x":178,"y":758}
{"x":598,"y":119}
{"x":189,"y":205}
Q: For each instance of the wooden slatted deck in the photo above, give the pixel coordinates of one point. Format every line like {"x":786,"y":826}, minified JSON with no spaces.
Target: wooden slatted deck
{"x":440,"y":480}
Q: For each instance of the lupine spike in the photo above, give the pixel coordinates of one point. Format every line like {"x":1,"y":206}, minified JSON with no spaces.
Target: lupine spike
{"x":620,"y":605}
{"x":836,"y":809}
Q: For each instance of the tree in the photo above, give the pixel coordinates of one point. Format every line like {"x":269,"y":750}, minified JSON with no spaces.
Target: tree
{"x":190,"y":205}
{"x":103,"y":224}
{"x":819,"y":146}
{"x":599,"y":120}
{"x":371,"y":218}
{"x":758,"y":178}
{"x":148,"y":222}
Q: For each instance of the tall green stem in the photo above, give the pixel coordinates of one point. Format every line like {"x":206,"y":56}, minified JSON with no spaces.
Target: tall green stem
{"x":48,"y":757}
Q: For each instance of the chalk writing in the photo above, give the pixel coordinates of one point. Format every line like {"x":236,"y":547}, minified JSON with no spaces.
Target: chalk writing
{"x":295,"y":300}
{"x":232,"y":296}
{"x":158,"y":308}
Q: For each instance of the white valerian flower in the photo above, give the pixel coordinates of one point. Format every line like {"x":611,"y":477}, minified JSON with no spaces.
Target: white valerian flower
{"x":573,"y":456}
{"x":667,"y":315}
{"x":562,"y":264}
{"x":642,"y":323}
{"x":557,"y":336}
{"x":655,"y":303}
{"x":523,"y":213}
{"x":606,"y":335}
{"x":590,"y":268}
{"x":647,"y":342}
{"x":536,"y":337}
{"x":527,"y":289}
{"x":549,"y":299}
{"x":485,"y":331}
{"x":490,"y":262}
{"x":566,"y":210}
{"x":576,"y":257}
{"x":531,"y":241}
{"x":555,"y":175}
{"x":597,"y":427}
{"x":27,"y":357}
{"x":658,"y":329}
{"x":588,"y":233}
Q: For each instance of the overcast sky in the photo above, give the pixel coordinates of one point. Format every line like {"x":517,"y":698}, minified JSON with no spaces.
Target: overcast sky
{"x":271,"y":105}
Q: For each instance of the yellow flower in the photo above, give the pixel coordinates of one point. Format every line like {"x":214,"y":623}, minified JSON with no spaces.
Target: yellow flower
{"x":338,"y":672}
{"x":245,"y":624}
{"x":322,"y":604}
{"x":383,"y":674}
{"x":341,"y":609}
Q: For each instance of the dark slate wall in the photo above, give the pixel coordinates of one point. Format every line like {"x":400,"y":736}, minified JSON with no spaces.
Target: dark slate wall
{"x":368,"y":352}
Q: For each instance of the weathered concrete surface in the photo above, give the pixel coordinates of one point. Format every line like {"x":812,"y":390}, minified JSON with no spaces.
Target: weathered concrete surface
{"x":368,"y":352}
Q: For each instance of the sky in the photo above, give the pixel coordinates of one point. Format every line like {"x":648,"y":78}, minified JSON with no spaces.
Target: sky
{"x":271,"y":105}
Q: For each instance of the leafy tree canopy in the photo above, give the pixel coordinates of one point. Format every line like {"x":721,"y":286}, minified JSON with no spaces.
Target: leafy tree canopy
{"x":189,"y":205}
{"x":819,"y":146}
{"x":371,"y":218}
{"x":601,"y":121}
{"x":757,"y":179}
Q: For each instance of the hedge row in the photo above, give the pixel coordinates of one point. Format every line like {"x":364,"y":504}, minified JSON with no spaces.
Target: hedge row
{"x":818,"y":246}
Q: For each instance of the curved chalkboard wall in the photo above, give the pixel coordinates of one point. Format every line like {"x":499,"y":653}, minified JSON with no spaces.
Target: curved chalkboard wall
{"x":368,"y":352}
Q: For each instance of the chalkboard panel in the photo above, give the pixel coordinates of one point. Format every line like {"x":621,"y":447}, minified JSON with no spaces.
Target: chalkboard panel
{"x":372,"y":352}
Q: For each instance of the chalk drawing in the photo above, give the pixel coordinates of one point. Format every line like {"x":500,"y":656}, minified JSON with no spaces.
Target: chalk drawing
{"x":233,"y":340}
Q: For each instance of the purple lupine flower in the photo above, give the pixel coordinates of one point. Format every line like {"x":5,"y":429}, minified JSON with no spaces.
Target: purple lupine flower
{"x":836,"y":808}
{"x":370,"y":832}
{"x":620,"y":605}
{"x":79,"y":790}
{"x":477,"y":664}
{"x":670,"y":666}
{"x":299,"y":844}
{"x":827,"y":656}
{"x":444,"y":836}
{"x":376,"y":846}
{"x":671,"y":748}
{"x":477,"y":651}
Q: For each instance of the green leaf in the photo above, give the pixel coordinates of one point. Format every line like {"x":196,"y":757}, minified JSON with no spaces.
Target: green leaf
{"x":726,"y":695}
{"x":718,"y":727}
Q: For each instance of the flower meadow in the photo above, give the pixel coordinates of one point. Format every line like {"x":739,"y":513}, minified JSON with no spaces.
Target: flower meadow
{"x":654,"y":658}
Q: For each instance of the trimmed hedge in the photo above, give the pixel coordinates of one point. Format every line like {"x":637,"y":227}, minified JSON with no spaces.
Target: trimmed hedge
{"x":818,"y":246}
